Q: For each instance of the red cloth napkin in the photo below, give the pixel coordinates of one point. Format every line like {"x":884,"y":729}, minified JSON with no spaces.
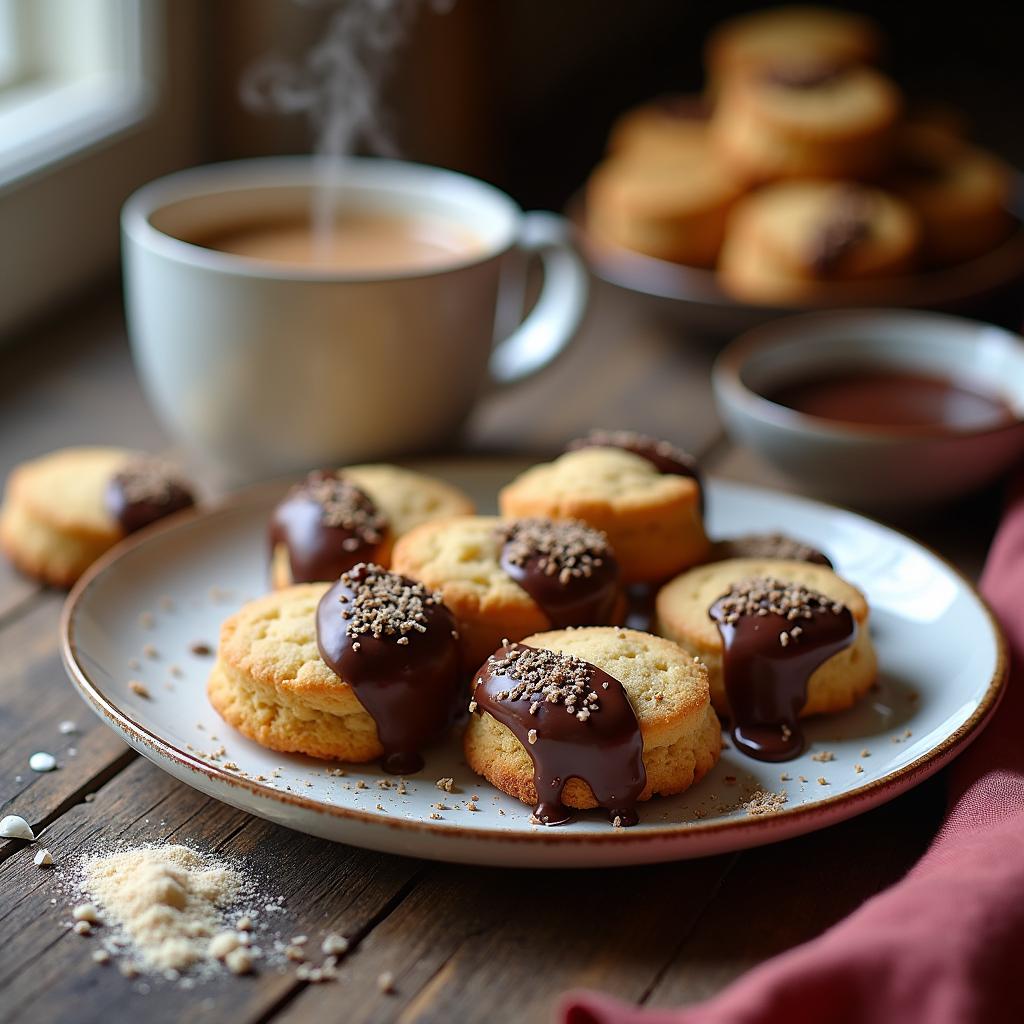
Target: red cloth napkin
{"x":946,"y":944}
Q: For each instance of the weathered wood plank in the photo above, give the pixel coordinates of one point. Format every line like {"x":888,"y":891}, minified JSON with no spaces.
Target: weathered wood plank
{"x":482,"y":945}
{"x":621,"y":372}
{"x":16,"y":591}
{"x":35,"y":697}
{"x":46,"y":970}
{"x":71,"y":382}
{"x":779,"y":896}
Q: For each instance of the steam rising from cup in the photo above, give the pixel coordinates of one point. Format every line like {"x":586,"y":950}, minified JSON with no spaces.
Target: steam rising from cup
{"x":337,"y":87}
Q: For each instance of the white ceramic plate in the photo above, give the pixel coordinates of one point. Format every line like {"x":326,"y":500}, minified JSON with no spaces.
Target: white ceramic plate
{"x":139,"y":610}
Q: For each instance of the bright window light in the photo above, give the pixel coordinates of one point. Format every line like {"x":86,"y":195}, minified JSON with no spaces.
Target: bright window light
{"x":71,"y":75}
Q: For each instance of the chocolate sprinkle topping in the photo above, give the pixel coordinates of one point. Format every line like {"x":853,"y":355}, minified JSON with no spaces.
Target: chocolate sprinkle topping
{"x":566,"y":567}
{"x":574,"y":721}
{"x":775,"y":635}
{"x":144,"y":490}
{"x":764,"y":595}
{"x":345,"y":505}
{"x":327,"y":525}
{"x":394,"y":642}
{"x":384,"y":604}
{"x":567,"y":549}
{"x":771,"y":545}
{"x":546,"y":676}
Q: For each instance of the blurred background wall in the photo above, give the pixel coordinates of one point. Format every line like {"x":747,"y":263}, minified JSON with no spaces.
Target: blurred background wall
{"x":522,"y":92}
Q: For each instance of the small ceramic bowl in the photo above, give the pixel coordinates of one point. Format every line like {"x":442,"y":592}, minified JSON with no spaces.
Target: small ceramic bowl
{"x":870,"y":466}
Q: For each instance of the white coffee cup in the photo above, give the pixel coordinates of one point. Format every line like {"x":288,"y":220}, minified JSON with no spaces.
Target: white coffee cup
{"x":260,"y":368}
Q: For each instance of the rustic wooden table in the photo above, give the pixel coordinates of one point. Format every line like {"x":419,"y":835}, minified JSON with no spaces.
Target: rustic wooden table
{"x":464,"y":944}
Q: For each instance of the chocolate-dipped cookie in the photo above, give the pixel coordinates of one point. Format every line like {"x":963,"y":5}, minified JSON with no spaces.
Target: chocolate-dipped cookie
{"x":367,"y":668}
{"x":378,"y":502}
{"x":781,"y":640}
{"x":594,"y":717}
{"x":62,"y":511}
{"x":649,"y":505}
{"x":510,"y":578}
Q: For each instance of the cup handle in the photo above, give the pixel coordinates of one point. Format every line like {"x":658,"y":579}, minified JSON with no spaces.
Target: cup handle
{"x":551,"y":324}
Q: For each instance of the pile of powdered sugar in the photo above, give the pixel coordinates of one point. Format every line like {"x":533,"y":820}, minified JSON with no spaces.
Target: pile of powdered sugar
{"x":168,"y":909}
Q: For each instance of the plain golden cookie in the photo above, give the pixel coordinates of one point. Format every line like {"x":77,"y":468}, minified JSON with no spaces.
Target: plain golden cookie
{"x":960,"y":193}
{"x":682,"y":615}
{"x":668,"y":692}
{"x":54,"y":523}
{"x":666,"y":201}
{"x":270,"y":683}
{"x":784,"y":35}
{"x":807,"y":123}
{"x":405,"y":498}
{"x":788,"y":243}
{"x":653,"y":520}
{"x":675,"y":125}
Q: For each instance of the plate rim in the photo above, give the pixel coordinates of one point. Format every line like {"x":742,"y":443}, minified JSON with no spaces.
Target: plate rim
{"x":935,"y":288}
{"x":875,"y":791}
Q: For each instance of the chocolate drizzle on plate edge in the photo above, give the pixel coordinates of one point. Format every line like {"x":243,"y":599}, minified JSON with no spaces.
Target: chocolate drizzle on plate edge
{"x":327,"y":525}
{"x":774,"y":636}
{"x":567,"y":567}
{"x":144,"y":490}
{"x":574,"y":720}
{"x":665,"y":457}
{"x":394,"y":642}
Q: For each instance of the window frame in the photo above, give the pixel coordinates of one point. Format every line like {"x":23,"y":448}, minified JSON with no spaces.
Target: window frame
{"x":103,"y":132}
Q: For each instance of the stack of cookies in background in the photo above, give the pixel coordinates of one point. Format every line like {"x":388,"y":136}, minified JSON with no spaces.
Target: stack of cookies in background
{"x":799,"y":168}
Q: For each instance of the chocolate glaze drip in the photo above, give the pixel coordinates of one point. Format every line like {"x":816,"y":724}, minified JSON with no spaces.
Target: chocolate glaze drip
{"x":770,"y":545}
{"x":395,"y":644}
{"x":566,"y":567}
{"x":768,"y":656}
{"x":846,"y":225}
{"x":803,"y":76}
{"x":327,"y":525}
{"x":145,"y":490}
{"x":595,"y":737}
{"x":665,"y":457}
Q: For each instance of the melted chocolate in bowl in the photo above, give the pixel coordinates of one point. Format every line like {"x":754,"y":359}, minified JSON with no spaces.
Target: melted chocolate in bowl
{"x":894,"y":399}
{"x":395,"y":644}
{"x":574,"y":721}
{"x":327,"y":526}
{"x":144,"y":491}
{"x":566,"y":567}
{"x":775,"y":635}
